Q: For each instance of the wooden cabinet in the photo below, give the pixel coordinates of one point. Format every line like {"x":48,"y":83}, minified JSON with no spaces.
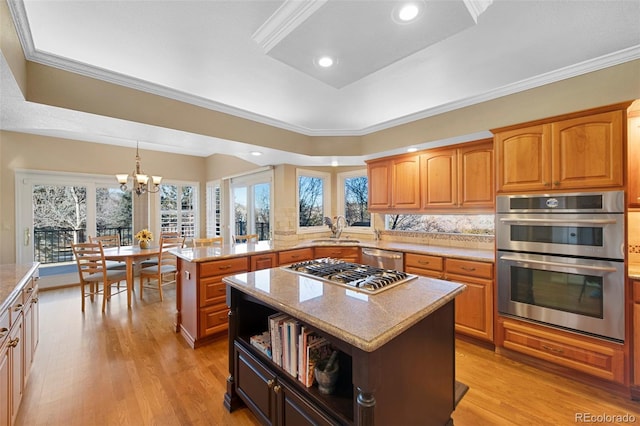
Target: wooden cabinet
{"x":450,"y":179}
{"x":633,"y":155}
{"x":474,"y":307}
{"x":18,"y":338}
{"x":583,"y":151}
{"x":394,"y":183}
{"x":379,"y":183}
{"x":202,"y":308}
{"x":349,"y":254}
{"x":425,"y":265}
{"x":596,"y":357}
{"x":286,"y":257}
{"x":635,"y":356}
{"x":458,"y":178}
{"x":263,"y":261}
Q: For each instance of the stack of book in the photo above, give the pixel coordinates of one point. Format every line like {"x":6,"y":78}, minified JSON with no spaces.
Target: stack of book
{"x":296,"y":348}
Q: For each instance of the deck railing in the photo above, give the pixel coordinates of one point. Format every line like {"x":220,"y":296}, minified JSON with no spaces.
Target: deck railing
{"x":53,"y":245}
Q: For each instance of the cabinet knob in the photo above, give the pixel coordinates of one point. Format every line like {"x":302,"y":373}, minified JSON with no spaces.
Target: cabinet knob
{"x":18,"y":307}
{"x":277,"y":388}
{"x":13,"y":343}
{"x":546,"y":184}
{"x":3,"y":332}
{"x":270,"y":383}
{"x":556,"y":183}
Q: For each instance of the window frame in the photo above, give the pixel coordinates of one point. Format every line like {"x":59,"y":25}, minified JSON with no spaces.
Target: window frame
{"x":326,"y":199}
{"x":196,"y":203}
{"x":340,"y":190}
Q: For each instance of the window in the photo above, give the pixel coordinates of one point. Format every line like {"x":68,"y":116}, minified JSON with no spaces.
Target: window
{"x":56,"y":209}
{"x":214,"y":209}
{"x":178,"y":209}
{"x":313,"y":199}
{"x":353,"y":197}
{"x":252,"y":197}
{"x":477,"y":224}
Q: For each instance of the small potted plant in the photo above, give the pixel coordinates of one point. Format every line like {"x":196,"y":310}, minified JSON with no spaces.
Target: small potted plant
{"x":145,"y":237}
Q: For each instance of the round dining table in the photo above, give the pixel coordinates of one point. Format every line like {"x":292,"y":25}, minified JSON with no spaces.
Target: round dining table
{"x":130,"y":254}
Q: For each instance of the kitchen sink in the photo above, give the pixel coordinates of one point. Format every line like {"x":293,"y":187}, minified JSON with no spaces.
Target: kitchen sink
{"x":330,"y":241}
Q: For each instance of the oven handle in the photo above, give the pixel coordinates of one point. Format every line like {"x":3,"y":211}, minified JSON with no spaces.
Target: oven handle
{"x":566,"y":265}
{"x":569,"y":221}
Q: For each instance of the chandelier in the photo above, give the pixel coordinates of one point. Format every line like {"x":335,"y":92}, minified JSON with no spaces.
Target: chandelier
{"x":140,"y":180}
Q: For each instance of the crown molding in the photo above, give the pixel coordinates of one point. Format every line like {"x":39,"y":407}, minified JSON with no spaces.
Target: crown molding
{"x":22,"y":26}
{"x":290,"y":15}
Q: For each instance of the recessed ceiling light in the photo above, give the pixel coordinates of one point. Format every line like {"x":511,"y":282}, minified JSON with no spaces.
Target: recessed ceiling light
{"x":334,"y":163}
{"x":256,"y":153}
{"x":407,"y":12}
{"x":326,"y":61}
{"x":412,"y":149}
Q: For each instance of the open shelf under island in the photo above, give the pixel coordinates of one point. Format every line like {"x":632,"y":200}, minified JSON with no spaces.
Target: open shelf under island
{"x":396,"y":350}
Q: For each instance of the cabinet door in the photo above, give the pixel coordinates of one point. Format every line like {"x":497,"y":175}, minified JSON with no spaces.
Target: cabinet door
{"x":439,"y":178}
{"x":16,"y":357}
{"x":405,"y":182}
{"x":636,"y":332}
{"x":476,"y":187}
{"x":5,"y":384}
{"x":254,"y":384}
{"x":523,"y":158}
{"x":633,"y":155}
{"x":378,"y":174}
{"x":263,"y":261}
{"x":474,"y":307}
{"x":588,"y":151}
{"x":294,"y":409}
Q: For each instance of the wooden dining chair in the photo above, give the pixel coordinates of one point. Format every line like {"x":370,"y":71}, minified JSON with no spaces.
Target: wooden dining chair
{"x":203,"y":242}
{"x":93,"y":271}
{"x":154,"y":260}
{"x":247,"y":238}
{"x":167,"y":266}
{"x":109,"y":241}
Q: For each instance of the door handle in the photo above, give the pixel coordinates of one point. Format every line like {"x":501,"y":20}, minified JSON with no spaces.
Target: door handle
{"x":27,"y":236}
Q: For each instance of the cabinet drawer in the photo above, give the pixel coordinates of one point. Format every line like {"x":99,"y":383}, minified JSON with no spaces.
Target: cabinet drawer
{"x":212,"y":291}
{"x":213,"y":319}
{"x":4,"y":324}
{"x":15,"y":309}
{"x":598,"y":359}
{"x":469,"y":268}
{"x":292,"y":256}
{"x":636,"y":291}
{"x":338,"y":252}
{"x":223,"y":267}
{"x":263,"y":261}
{"x":423,"y":261}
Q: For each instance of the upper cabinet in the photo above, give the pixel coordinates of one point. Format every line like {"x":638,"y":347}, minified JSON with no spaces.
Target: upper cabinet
{"x":458,"y":178}
{"x":394,"y":183}
{"x":633,"y":155}
{"x":451,"y":179}
{"x":583,"y":151}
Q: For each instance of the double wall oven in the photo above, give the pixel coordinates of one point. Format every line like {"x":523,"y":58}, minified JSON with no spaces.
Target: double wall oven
{"x":561,"y":260}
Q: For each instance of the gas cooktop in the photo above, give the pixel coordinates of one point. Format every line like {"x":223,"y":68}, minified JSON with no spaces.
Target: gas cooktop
{"x":364,"y":278}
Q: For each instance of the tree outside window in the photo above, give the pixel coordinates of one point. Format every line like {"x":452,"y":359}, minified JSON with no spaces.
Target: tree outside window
{"x":312,"y":206}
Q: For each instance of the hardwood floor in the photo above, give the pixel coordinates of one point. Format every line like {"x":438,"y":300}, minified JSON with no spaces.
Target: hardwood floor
{"x":127,"y":367}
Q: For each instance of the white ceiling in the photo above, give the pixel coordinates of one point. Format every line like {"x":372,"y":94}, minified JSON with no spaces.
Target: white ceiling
{"x":254,"y":59}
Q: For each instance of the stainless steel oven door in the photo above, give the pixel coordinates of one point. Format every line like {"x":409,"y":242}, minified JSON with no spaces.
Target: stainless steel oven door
{"x":589,"y":235}
{"x":577,"y":294}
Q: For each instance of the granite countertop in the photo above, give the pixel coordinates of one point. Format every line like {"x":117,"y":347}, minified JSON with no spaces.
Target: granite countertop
{"x":364,"y":321}
{"x":202,"y":254}
{"x":12,"y":278}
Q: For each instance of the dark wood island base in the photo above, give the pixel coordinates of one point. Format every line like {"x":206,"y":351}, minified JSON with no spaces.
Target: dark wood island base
{"x":409,"y":380}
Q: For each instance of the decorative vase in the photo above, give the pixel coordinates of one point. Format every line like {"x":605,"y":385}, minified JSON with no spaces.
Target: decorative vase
{"x":144,"y":244}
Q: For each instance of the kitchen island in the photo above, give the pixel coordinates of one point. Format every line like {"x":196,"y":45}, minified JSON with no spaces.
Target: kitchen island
{"x":396,"y":350}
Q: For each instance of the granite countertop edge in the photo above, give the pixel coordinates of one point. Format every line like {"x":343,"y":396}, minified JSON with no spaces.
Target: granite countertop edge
{"x":13,"y":277}
{"x":205,"y":254}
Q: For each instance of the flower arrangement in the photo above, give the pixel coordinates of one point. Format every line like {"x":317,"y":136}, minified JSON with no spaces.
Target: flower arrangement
{"x":144,"y":235}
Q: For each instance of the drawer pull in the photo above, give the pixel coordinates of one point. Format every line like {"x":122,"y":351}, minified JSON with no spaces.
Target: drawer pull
{"x":554,"y":350}
{"x":468,"y":268}
{"x":270,"y":383}
{"x":423,"y":262}
{"x":295,"y":256}
{"x":223,"y":318}
{"x":34,"y":300}
{"x":13,"y":343}
{"x":225,"y":267}
{"x":3,"y":332}
{"x":30,"y":290}
{"x":18,"y":307}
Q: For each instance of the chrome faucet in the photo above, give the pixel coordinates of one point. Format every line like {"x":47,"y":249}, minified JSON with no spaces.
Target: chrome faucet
{"x":336,"y":225}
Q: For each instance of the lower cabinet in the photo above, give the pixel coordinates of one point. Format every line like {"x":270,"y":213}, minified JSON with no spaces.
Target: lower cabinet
{"x":474,"y":307}
{"x":272,"y":400}
{"x":635,"y":356}
{"x":589,"y":355}
{"x":263,"y":261}
{"x":425,"y":265}
{"x":348,"y":254}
